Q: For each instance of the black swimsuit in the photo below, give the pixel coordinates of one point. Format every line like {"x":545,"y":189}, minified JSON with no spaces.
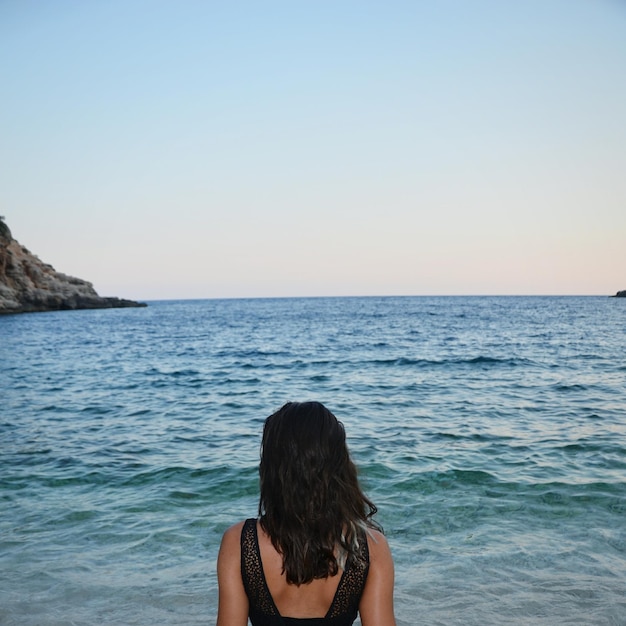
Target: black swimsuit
{"x":263,"y":612}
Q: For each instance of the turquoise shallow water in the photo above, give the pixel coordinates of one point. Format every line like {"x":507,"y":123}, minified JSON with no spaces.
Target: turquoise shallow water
{"x":490,"y":432}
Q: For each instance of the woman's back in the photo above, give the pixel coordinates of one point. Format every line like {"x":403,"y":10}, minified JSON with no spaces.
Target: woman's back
{"x":320,"y":604}
{"x":311,"y":600}
{"x":332,"y":600}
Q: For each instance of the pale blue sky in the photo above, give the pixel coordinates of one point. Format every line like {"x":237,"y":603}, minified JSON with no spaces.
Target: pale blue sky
{"x":205,"y":149}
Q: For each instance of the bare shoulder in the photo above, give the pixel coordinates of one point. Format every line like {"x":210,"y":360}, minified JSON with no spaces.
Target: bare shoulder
{"x":233,"y":602}
{"x":376,"y":606}
{"x":377,"y":545}
{"x":234,"y":532}
{"x":231,"y":541}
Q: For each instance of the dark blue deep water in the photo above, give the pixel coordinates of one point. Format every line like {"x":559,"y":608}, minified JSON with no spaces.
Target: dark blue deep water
{"x":490,"y":432}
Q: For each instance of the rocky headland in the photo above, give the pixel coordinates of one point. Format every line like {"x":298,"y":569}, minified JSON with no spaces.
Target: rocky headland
{"x":27,"y":284}
{"x":621,"y":294}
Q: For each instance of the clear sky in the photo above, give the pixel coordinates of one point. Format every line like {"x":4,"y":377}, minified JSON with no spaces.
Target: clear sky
{"x":188,"y":149}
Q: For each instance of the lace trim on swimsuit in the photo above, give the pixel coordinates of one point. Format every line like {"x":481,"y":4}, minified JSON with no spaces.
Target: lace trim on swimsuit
{"x":350,"y":589}
{"x":252,"y":571}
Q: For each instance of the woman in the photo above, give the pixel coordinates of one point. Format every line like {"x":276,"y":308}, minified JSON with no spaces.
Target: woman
{"x":314,"y":556}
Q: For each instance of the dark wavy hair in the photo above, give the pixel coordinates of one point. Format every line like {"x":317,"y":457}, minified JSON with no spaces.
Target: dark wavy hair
{"x":311,"y":504}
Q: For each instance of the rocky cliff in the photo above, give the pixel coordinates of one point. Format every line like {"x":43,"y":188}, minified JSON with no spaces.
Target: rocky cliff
{"x":27,"y":284}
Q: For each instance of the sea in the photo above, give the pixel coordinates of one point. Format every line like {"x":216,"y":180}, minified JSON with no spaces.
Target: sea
{"x":490,"y":432}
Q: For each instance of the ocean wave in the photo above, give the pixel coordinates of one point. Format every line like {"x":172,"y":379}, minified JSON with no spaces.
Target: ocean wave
{"x":454,"y":361}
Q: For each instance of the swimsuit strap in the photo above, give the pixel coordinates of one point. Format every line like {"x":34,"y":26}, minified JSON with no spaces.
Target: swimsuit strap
{"x":352,"y":583}
{"x":252,"y":571}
